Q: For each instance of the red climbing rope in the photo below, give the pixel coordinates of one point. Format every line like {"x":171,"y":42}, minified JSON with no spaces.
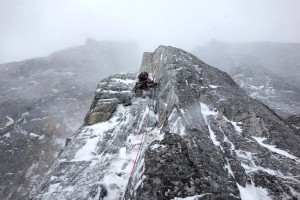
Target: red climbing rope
{"x":144,"y":132}
{"x":140,"y":145}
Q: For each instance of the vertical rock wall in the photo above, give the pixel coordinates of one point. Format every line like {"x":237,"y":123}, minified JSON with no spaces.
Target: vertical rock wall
{"x":231,"y":143}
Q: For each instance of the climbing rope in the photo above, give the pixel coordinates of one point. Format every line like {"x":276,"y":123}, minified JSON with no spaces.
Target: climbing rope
{"x":140,"y":149}
{"x":141,"y":143}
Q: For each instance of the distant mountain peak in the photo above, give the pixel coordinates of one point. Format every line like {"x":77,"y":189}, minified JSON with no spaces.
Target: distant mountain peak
{"x":43,"y":101}
{"x":90,"y":41}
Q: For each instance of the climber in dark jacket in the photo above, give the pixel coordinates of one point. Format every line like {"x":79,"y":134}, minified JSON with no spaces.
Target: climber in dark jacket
{"x":144,"y":82}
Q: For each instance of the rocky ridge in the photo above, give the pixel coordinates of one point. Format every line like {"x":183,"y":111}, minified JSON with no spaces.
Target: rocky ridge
{"x":201,"y":137}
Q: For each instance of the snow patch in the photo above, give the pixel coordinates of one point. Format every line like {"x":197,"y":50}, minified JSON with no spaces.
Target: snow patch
{"x":38,"y":119}
{"x":228,"y":167}
{"x":60,"y":141}
{"x":206,"y":112}
{"x":88,"y":150}
{"x":155,"y":146}
{"x":30,"y":169}
{"x":274,"y":149}
{"x":53,"y":187}
{"x":34,"y":82}
{"x":55,"y":90}
{"x":160,"y":136}
{"x":252,"y":87}
{"x":214,"y":86}
{"x":177,"y":127}
{"x":232,"y":147}
{"x":109,"y":91}
{"x":122,"y":152}
{"x":235,"y":125}
{"x":250,"y":192}
{"x":35,"y":135}
{"x":24,"y":114}
{"x":126,"y":81}
{"x":119,"y":172}
{"x":7,"y":134}
{"x":297,"y":127}
{"x":10,"y":122}
{"x":247,"y":162}
{"x":190,"y":198}
{"x":176,"y":123}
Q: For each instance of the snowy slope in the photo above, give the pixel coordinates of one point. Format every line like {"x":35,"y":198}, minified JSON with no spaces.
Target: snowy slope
{"x":273,"y":91}
{"x":103,"y":154}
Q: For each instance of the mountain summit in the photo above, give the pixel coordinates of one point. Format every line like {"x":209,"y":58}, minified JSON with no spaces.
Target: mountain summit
{"x":200,"y":136}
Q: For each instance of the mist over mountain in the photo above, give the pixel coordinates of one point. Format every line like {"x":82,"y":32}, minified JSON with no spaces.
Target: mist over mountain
{"x":281,"y":59}
{"x":44,"y":100}
{"x":273,"y":91}
{"x":269,"y":72}
{"x":223,"y":123}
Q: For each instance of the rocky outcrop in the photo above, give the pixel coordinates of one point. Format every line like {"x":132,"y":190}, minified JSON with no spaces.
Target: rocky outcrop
{"x":294,"y":123}
{"x":102,"y":111}
{"x":294,"y":120}
{"x":173,"y":173}
{"x":205,"y":139}
{"x":105,"y":103}
{"x":6,"y":124}
{"x":95,"y":162}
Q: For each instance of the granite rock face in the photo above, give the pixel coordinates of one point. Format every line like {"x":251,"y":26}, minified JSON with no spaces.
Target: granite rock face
{"x":102,"y":111}
{"x":201,"y":137}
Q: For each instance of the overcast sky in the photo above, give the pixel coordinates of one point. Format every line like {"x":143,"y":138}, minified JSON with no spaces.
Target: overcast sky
{"x":31,"y":28}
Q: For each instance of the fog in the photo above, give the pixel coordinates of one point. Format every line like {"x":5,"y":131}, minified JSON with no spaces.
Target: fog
{"x":31,"y":28}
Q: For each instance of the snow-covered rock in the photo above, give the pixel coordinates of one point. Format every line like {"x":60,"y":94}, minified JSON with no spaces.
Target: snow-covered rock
{"x":268,"y":72}
{"x":200,"y":137}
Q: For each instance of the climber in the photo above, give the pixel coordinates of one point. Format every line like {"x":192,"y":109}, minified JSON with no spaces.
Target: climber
{"x":144,"y":83}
